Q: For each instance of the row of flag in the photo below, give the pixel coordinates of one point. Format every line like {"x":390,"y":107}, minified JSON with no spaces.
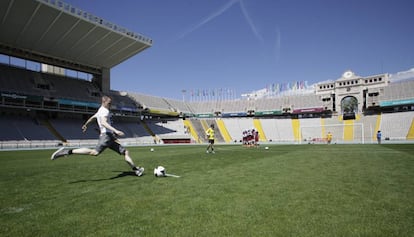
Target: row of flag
{"x":229,"y":94}
{"x":210,"y":94}
{"x":276,"y":88}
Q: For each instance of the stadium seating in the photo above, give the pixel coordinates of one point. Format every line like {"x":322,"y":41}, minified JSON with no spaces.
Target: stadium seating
{"x":180,"y":106}
{"x":23,"y":128}
{"x":19,"y":80}
{"x":168,"y":128}
{"x":148,"y":101}
{"x":395,"y":126}
{"x":398,"y":91}
{"x":16,"y":80}
{"x":71,"y":129}
{"x":39,"y":106}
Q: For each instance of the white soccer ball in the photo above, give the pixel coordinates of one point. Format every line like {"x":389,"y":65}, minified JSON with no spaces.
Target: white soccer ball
{"x":267,"y":148}
{"x":152,"y":149}
{"x":159,"y":171}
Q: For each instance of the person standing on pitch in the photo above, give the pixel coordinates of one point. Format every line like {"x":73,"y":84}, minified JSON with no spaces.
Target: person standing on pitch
{"x":107,"y":138}
{"x":329,"y":137}
{"x":379,"y":137}
{"x":210,"y":137}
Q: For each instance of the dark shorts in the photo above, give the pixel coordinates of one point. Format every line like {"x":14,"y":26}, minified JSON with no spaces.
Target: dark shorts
{"x":108,"y":140}
{"x":211,"y":141}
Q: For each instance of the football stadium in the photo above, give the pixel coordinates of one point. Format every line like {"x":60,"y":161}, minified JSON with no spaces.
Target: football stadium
{"x":331,"y":159}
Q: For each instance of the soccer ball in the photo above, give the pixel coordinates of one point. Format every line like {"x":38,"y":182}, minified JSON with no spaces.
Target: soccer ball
{"x":152,"y":149}
{"x":159,"y":171}
{"x":267,"y":148}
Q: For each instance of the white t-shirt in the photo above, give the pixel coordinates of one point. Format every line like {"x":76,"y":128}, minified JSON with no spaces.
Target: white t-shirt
{"x":99,"y":115}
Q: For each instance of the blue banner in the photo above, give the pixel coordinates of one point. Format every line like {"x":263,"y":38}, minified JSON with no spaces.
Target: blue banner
{"x":78,"y":103}
{"x":396,"y":102}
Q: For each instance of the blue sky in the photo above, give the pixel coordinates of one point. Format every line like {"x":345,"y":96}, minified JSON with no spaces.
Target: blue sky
{"x":245,"y":45}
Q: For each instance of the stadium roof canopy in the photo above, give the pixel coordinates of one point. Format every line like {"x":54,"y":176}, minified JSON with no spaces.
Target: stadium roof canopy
{"x":54,"y":32}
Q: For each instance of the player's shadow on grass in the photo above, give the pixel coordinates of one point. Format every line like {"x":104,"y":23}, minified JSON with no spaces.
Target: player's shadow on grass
{"x":120,"y":175}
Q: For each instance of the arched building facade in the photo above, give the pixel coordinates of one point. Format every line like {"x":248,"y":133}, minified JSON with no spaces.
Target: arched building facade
{"x":352,"y":94}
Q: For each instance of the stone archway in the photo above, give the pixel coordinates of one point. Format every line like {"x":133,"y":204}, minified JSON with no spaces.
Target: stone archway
{"x":349,"y":107}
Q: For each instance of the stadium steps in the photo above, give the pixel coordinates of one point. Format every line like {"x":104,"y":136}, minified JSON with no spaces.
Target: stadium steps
{"x":52,"y":129}
{"x":204,"y":124}
{"x":410,"y":135}
{"x":193,"y":132}
{"x":223,"y":130}
{"x":199,"y":130}
{"x":377,"y":127}
{"x":218,"y":136}
{"x":258,"y":125}
{"x":148,"y":129}
{"x":348,"y":130}
{"x":296,"y":127}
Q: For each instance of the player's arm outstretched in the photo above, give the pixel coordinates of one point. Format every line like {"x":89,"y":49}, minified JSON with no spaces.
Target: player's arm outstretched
{"x":85,"y":125}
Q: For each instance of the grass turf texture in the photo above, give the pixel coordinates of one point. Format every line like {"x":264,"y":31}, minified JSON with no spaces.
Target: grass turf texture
{"x":288,"y":190}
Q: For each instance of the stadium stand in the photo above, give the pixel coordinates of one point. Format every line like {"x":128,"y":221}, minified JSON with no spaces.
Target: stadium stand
{"x":198,"y":129}
{"x":41,"y":108}
{"x":149,"y":101}
{"x":205,"y":107}
{"x":395,"y":126}
{"x":181,"y":106}
{"x":278,"y":130}
{"x":304,"y":101}
{"x":68,"y":128}
{"x":268,"y":104}
{"x":23,"y":128}
{"x":173,"y":128}
{"x":16,"y":80}
{"x":403,"y":90}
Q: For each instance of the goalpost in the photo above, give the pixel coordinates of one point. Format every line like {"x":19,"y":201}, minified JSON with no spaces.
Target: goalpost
{"x":352,"y":133}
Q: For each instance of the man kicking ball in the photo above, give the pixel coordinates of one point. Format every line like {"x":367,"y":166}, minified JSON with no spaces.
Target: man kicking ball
{"x":107,"y":138}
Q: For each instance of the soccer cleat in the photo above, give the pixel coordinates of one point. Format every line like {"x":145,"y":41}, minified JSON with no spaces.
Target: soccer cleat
{"x":139,"y":171}
{"x":59,"y":153}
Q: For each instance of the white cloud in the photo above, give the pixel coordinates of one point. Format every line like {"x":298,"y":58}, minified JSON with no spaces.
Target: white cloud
{"x":209,"y":18}
{"x":250,"y":22}
{"x":404,"y":75}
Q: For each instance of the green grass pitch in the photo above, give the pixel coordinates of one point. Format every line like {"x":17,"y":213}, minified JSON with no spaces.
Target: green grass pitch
{"x":288,"y":190}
